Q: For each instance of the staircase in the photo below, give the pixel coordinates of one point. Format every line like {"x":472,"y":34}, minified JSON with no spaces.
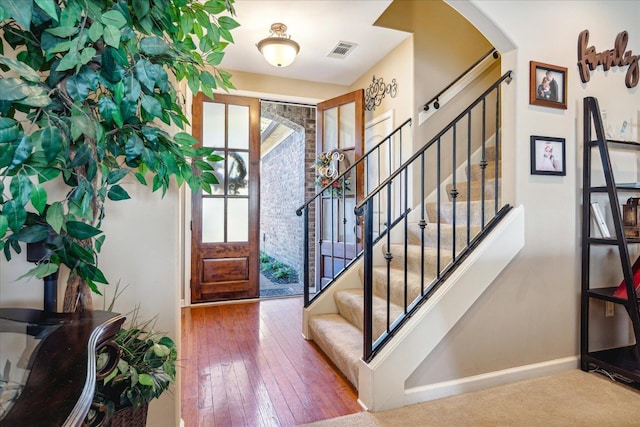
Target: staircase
{"x":340,"y":335}
{"x":435,"y":235}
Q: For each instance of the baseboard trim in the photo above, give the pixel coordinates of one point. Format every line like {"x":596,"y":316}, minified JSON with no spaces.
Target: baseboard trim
{"x":491,"y":379}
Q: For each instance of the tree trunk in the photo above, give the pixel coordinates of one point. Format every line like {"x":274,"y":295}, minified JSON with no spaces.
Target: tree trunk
{"x":77,"y":295}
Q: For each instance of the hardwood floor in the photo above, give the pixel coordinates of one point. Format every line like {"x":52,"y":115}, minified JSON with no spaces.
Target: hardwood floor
{"x":247,"y":364}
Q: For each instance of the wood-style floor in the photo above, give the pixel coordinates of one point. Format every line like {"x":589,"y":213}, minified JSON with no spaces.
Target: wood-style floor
{"x":247,"y":364}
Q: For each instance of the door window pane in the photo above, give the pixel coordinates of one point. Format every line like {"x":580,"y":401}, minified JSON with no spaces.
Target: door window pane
{"x":238,"y":217}
{"x":213,"y":127}
{"x":330,"y":129}
{"x":238,"y":173}
{"x":239,"y":127}
{"x":329,"y":217}
{"x":348,"y":125}
{"x":218,"y":172}
{"x":212,"y":220}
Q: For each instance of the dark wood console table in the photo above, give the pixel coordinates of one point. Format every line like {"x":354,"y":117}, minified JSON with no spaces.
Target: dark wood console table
{"x":48,"y":364}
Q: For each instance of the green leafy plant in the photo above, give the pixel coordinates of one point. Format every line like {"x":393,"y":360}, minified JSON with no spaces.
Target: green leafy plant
{"x":283,"y":272}
{"x":88,"y":94}
{"x":146,"y":368}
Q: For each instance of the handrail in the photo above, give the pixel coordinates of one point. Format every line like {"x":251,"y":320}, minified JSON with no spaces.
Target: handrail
{"x":350,"y":168}
{"x":392,"y":176}
{"x":436,"y":105}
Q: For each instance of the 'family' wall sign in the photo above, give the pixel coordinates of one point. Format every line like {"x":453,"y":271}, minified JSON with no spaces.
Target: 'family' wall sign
{"x":589,"y":59}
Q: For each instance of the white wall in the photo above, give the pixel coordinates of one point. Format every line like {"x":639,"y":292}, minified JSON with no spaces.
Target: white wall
{"x":531,"y":313}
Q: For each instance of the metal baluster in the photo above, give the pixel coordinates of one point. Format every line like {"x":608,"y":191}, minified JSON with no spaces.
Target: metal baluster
{"x":484,"y":160}
{"x":367,"y":256}
{"x":422,"y":224}
{"x":388,"y":256}
{"x":406,"y":240}
{"x":305,"y":268}
{"x":439,"y":204}
{"x":454,"y":191}
{"x":497,"y":146}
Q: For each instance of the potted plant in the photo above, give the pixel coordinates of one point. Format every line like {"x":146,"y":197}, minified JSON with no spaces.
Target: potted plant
{"x":146,"y":368}
{"x":89,"y":95}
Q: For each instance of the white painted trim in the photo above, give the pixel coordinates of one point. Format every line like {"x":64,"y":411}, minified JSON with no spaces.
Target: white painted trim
{"x":490,"y":379}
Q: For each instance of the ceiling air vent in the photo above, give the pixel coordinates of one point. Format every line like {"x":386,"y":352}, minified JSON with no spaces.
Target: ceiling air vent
{"x":342,"y":50}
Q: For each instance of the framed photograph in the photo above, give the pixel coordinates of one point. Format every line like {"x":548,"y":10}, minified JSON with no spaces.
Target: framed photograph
{"x":547,"y":85}
{"x":548,"y":156}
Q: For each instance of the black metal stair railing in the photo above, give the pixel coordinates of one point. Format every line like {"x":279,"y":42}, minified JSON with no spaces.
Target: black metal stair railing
{"x":434,"y":171}
{"x":338,"y":229}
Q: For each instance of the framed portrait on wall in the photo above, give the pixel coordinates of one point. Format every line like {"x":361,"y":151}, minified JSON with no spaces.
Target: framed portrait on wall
{"x":548,"y":156}
{"x":547,"y":85}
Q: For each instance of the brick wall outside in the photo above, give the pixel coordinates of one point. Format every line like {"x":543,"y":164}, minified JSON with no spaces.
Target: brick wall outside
{"x":286,"y":181}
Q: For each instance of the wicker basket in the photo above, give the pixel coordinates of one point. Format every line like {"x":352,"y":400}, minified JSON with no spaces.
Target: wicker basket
{"x":129,"y":417}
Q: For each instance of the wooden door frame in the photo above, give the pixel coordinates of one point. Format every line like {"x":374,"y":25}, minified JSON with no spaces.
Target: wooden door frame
{"x":254,"y":188}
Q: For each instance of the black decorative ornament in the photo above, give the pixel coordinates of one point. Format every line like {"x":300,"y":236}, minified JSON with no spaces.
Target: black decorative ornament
{"x":377,"y":90}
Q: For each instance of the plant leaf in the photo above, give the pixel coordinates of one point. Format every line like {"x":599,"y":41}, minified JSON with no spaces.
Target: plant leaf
{"x":141,"y":8}
{"x":55,"y":216}
{"x":151,"y":106}
{"x":228,"y":23}
{"x":111,"y":35}
{"x":95,"y":274}
{"x":184,"y":138}
{"x":96,"y":31}
{"x":154,"y":46}
{"x":33,"y":234}
{"x":4,"y":225}
{"x":51,"y":141}
{"x":45,"y":269}
{"x":38,"y":198}
{"x":114,"y":18}
{"x":63,"y":32}
{"x":81,"y":230}
{"x":23,"y":151}
{"x":116,"y":175}
{"x":9,"y":130}
{"x":146,"y":379}
{"x":15,"y":214}
{"x":20,"y":10}
{"x":118,"y":193}
{"x":21,"y":68}
{"x":48,"y":7}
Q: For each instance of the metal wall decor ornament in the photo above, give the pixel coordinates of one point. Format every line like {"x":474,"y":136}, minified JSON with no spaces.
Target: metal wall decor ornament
{"x":589,"y":59}
{"x":376,"y":91}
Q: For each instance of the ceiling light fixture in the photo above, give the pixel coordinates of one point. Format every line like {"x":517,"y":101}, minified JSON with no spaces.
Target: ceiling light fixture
{"x":278,"y":49}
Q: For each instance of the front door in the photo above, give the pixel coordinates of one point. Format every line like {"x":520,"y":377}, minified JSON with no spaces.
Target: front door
{"x":340,"y":130}
{"x":225,"y":223}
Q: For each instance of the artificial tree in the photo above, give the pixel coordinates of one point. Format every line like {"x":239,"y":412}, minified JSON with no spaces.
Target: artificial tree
{"x":89,"y":95}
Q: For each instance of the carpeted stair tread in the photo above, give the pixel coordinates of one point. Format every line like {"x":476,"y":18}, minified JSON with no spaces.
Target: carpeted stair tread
{"x":446,"y":235}
{"x":446,"y":212}
{"x":414,"y":255}
{"x":473,"y":190}
{"x":350,"y":304}
{"x":340,"y":340}
{"x":397,"y":287}
{"x":475,"y":171}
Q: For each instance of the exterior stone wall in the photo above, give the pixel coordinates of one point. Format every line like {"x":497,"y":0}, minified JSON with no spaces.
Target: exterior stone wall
{"x":286,"y":181}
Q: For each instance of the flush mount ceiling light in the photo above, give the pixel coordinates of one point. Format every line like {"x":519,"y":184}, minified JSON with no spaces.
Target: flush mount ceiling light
{"x":278,"y":49}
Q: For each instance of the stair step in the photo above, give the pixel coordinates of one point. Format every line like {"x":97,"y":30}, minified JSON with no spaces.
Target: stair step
{"x":413,"y":256}
{"x":397,"y":287}
{"x":474,"y":188}
{"x":446,"y":212}
{"x":446,"y":235}
{"x":340,"y":340}
{"x":474,"y":172}
{"x":350,"y":304}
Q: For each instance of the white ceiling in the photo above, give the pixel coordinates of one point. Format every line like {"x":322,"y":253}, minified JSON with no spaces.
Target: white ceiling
{"x":318,"y":26}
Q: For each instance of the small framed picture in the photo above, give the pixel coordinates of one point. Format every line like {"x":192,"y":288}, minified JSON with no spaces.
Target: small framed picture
{"x":547,"y":156}
{"x":547,"y":85}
